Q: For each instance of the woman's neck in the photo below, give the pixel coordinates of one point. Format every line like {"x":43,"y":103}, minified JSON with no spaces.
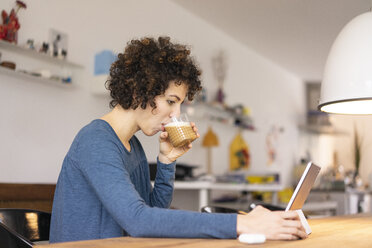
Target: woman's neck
{"x":123,"y":122}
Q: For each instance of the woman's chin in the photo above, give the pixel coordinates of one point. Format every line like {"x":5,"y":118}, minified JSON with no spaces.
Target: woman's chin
{"x":150,"y":133}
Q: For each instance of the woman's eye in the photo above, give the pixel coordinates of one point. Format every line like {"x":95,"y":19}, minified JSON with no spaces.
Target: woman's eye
{"x":170,"y":102}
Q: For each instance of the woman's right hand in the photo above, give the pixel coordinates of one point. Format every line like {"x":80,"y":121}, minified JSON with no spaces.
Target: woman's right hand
{"x":275,"y":225}
{"x":168,"y":153}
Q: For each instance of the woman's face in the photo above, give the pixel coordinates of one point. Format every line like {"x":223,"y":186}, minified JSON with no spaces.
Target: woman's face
{"x":168,"y":105}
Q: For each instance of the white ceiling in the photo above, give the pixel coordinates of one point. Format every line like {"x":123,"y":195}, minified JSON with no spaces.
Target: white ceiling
{"x":295,"y":34}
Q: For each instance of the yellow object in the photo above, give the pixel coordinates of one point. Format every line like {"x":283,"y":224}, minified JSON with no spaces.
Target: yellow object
{"x":210,"y":139}
{"x":267,"y":197}
{"x":260,"y":179}
{"x":246,"y":111}
{"x":285,"y":195}
{"x":239,"y":154}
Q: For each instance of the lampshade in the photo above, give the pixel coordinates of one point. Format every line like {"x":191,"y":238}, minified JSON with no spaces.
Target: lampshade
{"x":347,"y":81}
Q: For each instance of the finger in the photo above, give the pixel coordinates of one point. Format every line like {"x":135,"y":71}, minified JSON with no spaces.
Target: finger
{"x":195,"y":129}
{"x":299,"y":232}
{"x":292,"y":223}
{"x":289,"y":230}
{"x":289,"y":215}
{"x":164,"y":135}
{"x":302,"y":234}
{"x":193,"y":126}
{"x":286,"y":236}
{"x":186,"y":147}
{"x":302,"y":229}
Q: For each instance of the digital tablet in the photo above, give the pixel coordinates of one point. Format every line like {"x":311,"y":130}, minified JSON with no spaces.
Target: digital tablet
{"x":303,"y":187}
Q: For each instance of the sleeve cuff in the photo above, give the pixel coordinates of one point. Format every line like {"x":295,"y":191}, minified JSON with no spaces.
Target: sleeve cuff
{"x":165,"y":173}
{"x":166,"y":166}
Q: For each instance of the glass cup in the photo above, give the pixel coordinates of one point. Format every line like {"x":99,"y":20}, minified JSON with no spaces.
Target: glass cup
{"x":180,"y":132}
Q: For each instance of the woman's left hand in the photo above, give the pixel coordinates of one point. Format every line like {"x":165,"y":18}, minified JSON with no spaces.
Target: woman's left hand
{"x":169,"y":153}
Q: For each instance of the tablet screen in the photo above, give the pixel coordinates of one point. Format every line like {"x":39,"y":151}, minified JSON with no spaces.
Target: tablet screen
{"x":303,"y":187}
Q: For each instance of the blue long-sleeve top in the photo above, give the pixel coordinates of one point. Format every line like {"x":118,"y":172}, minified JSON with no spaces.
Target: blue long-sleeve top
{"x":104,"y":191}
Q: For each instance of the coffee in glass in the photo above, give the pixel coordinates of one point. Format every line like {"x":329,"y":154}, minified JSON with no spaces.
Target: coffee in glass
{"x":180,"y":132}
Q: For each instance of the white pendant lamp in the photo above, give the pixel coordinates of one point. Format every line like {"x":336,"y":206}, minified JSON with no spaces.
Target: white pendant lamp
{"x":347,"y":81}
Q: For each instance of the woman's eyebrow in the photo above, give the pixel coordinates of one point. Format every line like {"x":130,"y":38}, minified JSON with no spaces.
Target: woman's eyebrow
{"x":176,"y":97}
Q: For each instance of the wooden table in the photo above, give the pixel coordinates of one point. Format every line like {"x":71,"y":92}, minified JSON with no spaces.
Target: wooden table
{"x":339,"y":232}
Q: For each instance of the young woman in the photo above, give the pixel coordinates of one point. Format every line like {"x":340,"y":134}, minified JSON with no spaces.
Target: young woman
{"x":104,"y":187}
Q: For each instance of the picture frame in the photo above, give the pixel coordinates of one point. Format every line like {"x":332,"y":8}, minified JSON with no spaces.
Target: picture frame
{"x":58,"y":43}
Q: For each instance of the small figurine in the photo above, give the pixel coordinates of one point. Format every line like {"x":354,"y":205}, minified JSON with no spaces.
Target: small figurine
{"x":44,"y":48}
{"x":64,"y":53}
{"x":10,"y":26}
{"x":220,"y":96}
{"x":30,"y":44}
{"x":55,"y":45}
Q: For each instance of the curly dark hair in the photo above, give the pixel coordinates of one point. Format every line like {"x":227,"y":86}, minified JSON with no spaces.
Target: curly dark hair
{"x":145,"y":70}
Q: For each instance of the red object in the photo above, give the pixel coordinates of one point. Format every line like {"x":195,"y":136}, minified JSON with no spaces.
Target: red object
{"x":9,"y":28}
{"x":3,"y":31}
{"x":21,"y":4}
{"x":13,"y":26}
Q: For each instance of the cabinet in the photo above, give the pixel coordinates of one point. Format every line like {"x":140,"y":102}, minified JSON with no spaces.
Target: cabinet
{"x":28,"y":60}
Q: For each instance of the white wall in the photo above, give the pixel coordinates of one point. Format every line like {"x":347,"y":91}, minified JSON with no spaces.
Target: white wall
{"x":345,"y":143}
{"x":38,"y":122}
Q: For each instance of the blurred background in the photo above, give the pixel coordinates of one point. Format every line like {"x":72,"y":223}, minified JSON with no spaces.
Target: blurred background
{"x":262,"y":63}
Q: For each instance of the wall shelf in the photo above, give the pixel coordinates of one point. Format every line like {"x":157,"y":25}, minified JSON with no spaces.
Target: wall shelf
{"x":29,"y":77}
{"x":322,"y":129}
{"x":220,"y":113}
{"x":36,"y":55}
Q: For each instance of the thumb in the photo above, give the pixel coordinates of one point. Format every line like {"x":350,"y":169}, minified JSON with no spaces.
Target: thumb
{"x":163,"y":136}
